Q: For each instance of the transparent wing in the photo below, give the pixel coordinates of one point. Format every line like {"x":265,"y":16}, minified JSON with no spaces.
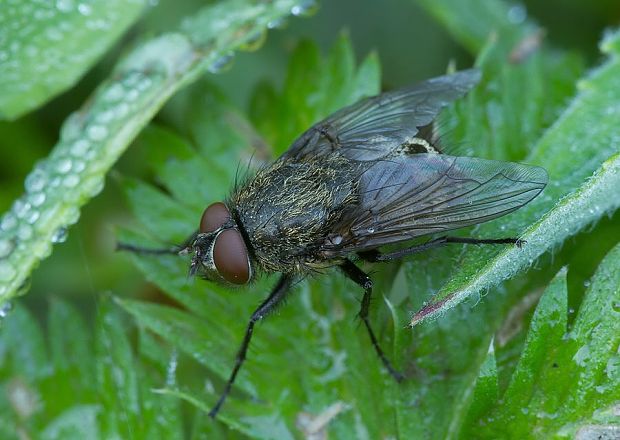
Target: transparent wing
{"x":374,"y":127}
{"x":411,"y":196}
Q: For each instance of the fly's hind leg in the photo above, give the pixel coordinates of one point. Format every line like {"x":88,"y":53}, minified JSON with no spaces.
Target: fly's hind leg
{"x":375,"y":256}
{"x":359,"y":277}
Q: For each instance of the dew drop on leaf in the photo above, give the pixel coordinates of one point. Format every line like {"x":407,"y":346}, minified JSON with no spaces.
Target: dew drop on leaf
{"x":7,"y":271}
{"x":60,"y":236}
{"x":6,"y":246}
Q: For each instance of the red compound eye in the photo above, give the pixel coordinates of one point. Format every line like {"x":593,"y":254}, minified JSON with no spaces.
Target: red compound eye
{"x":231,"y":257}
{"x":214,"y":217}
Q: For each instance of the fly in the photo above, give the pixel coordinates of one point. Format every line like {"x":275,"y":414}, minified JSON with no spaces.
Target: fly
{"x":367,"y":176}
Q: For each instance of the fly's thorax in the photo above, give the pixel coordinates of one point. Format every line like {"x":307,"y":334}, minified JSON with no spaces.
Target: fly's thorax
{"x":289,"y":208}
{"x":219,"y":250}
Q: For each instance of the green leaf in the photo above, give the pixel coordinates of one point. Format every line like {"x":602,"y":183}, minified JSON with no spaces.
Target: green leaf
{"x":588,"y":131}
{"x":91,"y":387}
{"x":188,"y":332}
{"x":117,"y":378}
{"x":93,"y":138}
{"x":24,"y":338}
{"x":173,"y":219}
{"x":72,"y":363}
{"x":79,"y":421}
{"x":70,"y":340}
{"x":563,"y":382}
{"x":486,"y":392}
{"x":48,"y":46}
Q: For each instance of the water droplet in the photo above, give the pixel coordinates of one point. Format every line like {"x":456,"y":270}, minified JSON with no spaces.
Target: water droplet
{"x":305,"y":8}
{"x":144,"y":84}
{"x":601,"y":390}
{"x":39,"y":14}
{"x":21,"y":208}
{"x":517,"y":14}
{"x":277,"y":23}
{"x":71,"y":181}
{"x":36,"y":180}
{"x":53,"y":34}
{"x":5,"y":309}
{"x":370,"y":230}
{"x":121,"y":110}
{"x":72,"y":127}
{"x":80,"y":147}
{"x":60,"y":236}
{"x":24,"y":232}
{"x":97,"y":132}
{"x":45,"y":250}
{"x":73,"y":215}
{"x":37,"y":199}
{"x":221,"y":64}
{"x":79,"y":166}
{"x":586,"y":283}
{"x":106,"y":116}
{"x":94,"y":185}
{"x":7,"y":271}
{"x":97,"y":25}
{"x":114,"y":93}
{"x":613,"y":368}
{"x":6,"y":246}
{"x":132,"y":79}
{"x":132,"y":95}
{"x":63,"y":165}
{"x":255,"y":41}
{"x":55,"y":182}
{"x":8,"y":222}
{"x":64,"y":5}
{"x":84,"y":9}
{"x":546,"y":415}
{"x":582,"y":356}
{"x":172,"y":369}
{"x":32,"y":217}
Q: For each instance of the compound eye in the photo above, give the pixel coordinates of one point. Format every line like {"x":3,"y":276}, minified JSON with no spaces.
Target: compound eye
{"x":214,"y":217}
{"x":231,"y":257}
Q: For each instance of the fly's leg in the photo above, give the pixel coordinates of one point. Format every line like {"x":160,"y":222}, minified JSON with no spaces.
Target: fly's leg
{"x":359,"y":277}
{"x":174,"y":250}
{"x":375,"y":256}
{"x":327,"y":132}
{"x":313,"y":136}
{"x":267,"y":306}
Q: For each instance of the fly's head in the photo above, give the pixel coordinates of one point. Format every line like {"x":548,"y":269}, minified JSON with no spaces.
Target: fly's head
{"x":218,"y":251}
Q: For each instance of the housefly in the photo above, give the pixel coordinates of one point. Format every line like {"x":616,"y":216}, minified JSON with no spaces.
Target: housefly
{"x":367,"y":176}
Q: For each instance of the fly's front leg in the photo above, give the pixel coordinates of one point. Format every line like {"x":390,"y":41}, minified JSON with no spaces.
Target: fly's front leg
{"x":267,"y":306}
{"x":359,"y":277}
{"x":375,"y":256}
{"x":173,"y":250}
